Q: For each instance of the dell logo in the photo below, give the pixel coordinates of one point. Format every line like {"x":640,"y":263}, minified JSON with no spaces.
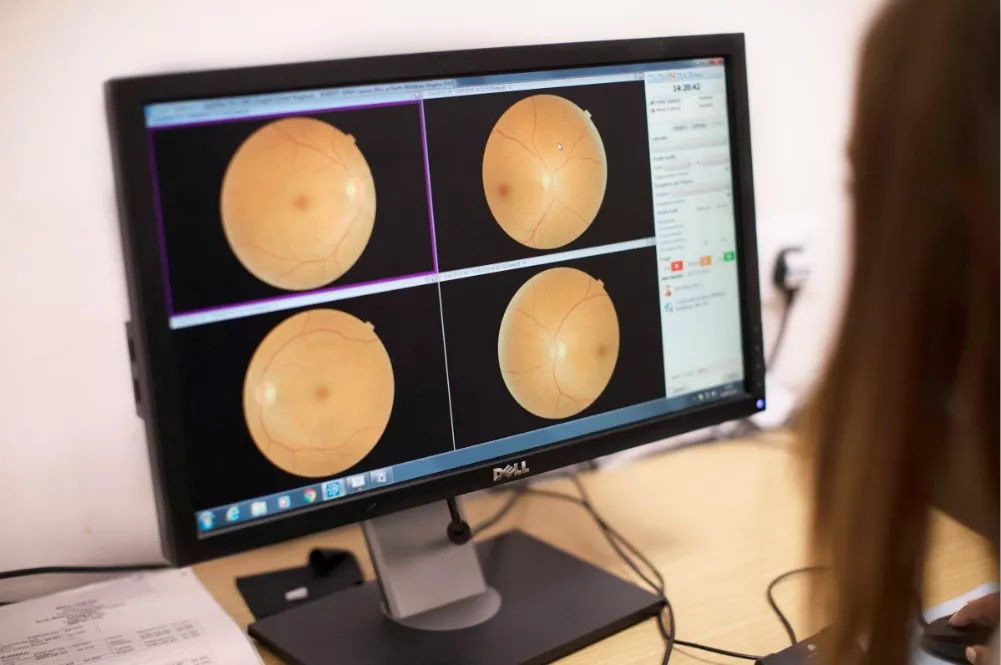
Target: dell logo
{"x":511,"y":471}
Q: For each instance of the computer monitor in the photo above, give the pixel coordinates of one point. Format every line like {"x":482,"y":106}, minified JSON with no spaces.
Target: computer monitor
{"x":361,"y":286}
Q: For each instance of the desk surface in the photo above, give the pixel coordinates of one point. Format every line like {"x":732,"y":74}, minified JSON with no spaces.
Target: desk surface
{"x":720,"y":521}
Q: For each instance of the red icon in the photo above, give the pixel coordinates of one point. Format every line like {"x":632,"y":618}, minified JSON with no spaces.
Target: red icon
{"x":705,"y":261}
{"x":677,"y":266}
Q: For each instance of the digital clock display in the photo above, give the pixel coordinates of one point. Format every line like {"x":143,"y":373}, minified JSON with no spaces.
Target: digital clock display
{"x":686,"y":87}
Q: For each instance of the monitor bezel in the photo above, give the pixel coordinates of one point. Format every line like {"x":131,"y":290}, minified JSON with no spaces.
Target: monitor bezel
{"x":150,"y":343}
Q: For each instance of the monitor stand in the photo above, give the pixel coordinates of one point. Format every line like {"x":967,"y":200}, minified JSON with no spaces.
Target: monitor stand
{"x":328,"y":571}
{"x":506,"y":601}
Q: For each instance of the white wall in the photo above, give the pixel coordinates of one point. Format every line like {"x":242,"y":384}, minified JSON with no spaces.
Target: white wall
{"x":74,"y":479}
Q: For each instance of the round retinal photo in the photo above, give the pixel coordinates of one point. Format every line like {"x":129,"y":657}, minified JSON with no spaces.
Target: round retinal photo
{"x":298,"y":203}
{"x":558,"y":343}
{"x":544,"y":171}
{"x":318,"y":393}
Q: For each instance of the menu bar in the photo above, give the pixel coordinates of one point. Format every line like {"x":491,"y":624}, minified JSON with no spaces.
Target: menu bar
{"x":220,"y":109}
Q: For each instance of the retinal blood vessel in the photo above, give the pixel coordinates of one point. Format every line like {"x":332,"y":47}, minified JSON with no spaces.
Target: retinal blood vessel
{"x":318,"y":392}
{"x":544,"y":171}
{"x":558,"y":343}
{"x":298,"y":203}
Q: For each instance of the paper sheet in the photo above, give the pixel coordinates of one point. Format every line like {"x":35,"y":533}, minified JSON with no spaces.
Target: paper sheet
{"x":162,"y":618}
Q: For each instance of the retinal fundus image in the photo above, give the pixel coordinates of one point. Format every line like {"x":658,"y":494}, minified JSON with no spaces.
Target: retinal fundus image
{"x":544,"y":171}
{"x":558,"y":343}
{"x":318,"y":392}
{"x":298,"y":203}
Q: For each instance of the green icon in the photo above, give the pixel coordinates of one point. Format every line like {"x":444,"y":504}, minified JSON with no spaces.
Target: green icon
{"x":729,"y":256}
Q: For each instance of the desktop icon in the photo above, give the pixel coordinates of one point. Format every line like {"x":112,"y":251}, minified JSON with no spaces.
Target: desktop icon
{"x":705,"y":261}
{"x":233,"y":514}
{"x":729,"y":256}
{"x":332,"y":489}
{"x":309,"y":496}
{"x":258,"y":508}
{"x":381,"y":476}
{"x":667,"y":291}
{"x":357,"y":483}
{"x":284,"y":502}
{"x":206,"y":520}
{"x":677,"y":266}
{"x":669,"y":307}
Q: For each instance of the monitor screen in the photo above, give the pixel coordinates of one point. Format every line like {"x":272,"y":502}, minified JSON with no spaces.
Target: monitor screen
{"x":369,"y":285}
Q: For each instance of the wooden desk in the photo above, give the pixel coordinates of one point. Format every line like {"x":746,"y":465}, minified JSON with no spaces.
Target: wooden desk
{"x":720,"y":521}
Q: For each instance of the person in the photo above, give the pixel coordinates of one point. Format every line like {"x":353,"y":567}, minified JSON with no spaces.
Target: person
{"x":906,"y":415}
{"x":986,"y":608}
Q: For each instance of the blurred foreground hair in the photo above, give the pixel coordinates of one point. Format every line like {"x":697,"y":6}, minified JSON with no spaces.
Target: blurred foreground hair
{"x":913,"y":378}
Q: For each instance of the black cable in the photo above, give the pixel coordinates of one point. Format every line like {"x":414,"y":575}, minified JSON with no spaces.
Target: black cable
{"x":80,"y":570}
{"x":790,"y":298}
{"x":667,"y":631}
{"x":660,"y":587}
{"x":500,"y":514}
{"x":453,"y":509}
{"x":458,"y":531}
{"x":62,"y":570}
{"x":627,"y":552}
{"x":920,"y":617}
{"x":612,"y":537}
{"x":788,"y":276}
{"x":775,"y":607}
{"x":722,"y":652}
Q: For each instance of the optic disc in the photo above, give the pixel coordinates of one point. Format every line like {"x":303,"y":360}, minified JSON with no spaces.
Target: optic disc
{"x":544,"y":171}
{"x":558,"y":343}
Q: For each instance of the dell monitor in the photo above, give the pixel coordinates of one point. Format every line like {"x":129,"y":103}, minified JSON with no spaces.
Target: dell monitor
{"x":360,"y":287}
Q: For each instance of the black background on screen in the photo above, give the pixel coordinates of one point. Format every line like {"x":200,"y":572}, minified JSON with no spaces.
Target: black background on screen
{"x":191,"y":162}
{"x":483,"y":409}
{"x":225,"y":464}
{"x":457,"y":130}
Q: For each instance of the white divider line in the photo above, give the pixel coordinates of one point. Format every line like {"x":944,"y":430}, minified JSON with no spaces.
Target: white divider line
{"x":341,"y":293}
{"x":546,"y":259}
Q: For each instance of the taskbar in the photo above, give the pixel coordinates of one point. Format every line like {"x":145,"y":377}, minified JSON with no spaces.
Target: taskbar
{"x":222,"y":519}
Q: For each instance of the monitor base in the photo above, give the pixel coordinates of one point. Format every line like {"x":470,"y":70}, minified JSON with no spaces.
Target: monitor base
{"x":329,"y":571}
{"x":552,"y":604}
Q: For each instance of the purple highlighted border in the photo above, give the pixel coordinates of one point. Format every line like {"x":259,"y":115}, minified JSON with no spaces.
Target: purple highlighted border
{"x":162,"y":237}
{"x":427,"y":184}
